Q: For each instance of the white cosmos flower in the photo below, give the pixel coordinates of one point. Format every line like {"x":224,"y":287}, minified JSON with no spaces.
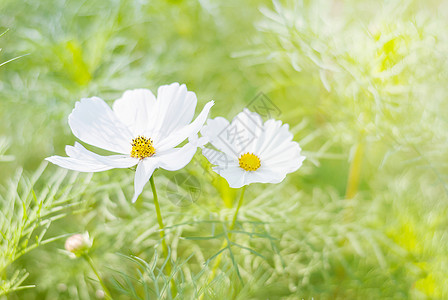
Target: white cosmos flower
{"x":250,"y":151}
{"x":143,"y":129}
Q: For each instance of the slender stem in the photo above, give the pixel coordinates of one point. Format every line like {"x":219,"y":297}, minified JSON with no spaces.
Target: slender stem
{"x":92,"y":266}
{"x":354,"y":174}
{"x":228,"y":195}
{"x":240,"y":203}
{"x":159,"y":216}
{"x":226,"y":241}
{"x":162,"y":235}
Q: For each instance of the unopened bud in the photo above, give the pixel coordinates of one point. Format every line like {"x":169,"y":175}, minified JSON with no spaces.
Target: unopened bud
{"x":78,"y":244}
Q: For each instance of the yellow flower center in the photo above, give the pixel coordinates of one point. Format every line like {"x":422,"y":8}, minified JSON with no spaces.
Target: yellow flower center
{"x":142,"y":147}
{"x":249,"y":162}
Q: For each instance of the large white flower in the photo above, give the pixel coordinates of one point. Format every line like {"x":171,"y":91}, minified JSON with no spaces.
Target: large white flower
{"x":143,"y":129}
{"x":250,"y":151}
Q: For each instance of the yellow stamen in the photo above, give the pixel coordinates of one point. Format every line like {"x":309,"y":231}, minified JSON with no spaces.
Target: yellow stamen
{"x":142,"y":147}
{"x":249,"y":162}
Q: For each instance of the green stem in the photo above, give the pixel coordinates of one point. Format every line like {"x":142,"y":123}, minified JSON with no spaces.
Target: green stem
{"x":354,"y":174}
{"x":92,"y":266}
{"x":240,"y":203}
{"x":227,"y":241}
{"x":162,"y":236}
{"x":159,"y":216}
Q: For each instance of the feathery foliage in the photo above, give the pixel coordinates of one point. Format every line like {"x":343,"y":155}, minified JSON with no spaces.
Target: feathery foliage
{"x":362,"y":85}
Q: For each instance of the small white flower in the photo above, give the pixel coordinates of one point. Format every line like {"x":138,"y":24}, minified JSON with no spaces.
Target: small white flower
{"x":144,"y":129}
{"x":251,"y":151}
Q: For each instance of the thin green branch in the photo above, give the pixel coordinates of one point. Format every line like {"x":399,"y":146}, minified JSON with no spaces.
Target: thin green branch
{"x":162,"y":236}
{"x":92,"y":266}
{"x":227,"y":242}
{"x":355,"y":172}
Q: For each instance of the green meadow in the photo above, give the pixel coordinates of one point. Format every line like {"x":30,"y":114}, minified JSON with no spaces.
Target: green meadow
{"x":362,"y":85}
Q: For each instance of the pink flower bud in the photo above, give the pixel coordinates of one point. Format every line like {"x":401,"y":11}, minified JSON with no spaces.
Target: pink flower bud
{"x":78,"y":244}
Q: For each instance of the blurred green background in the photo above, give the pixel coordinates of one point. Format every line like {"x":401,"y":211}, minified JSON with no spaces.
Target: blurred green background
{"x":363,"y":85}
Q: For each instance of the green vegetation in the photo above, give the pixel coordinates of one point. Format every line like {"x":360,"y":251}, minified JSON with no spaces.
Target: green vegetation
{"x":362,"y":85}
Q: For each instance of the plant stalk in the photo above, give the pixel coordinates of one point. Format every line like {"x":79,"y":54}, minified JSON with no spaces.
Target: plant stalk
{"x":162,"y":236}
{"x":226,"y":241}
{"x":92,"y":266}
{"x":354,"y":174}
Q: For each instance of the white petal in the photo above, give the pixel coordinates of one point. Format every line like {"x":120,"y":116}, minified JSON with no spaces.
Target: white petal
{"x":215,"y":132}
{"x":198,"y":141}
{"x":226,"y":166}
{"x":82,"y":160}
{"x":94,"y":122}
{"x":114,"y":161}
{"x":220,"y":159}
{"x":285,"y":159}
{"x":264,"y":175}
{"x":234,"y":175}
{"x":137,"y":110}
{"x":179,"y":135}
{"x":175,"y":109}
{"x":249,"y":127}
{"x":275,"y":136}
{"x":237,"y":137}
{"x":277,"y":152}
{"x":77,"y":164}
{"x":177,"y":158}
{"x":144,"y":171}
